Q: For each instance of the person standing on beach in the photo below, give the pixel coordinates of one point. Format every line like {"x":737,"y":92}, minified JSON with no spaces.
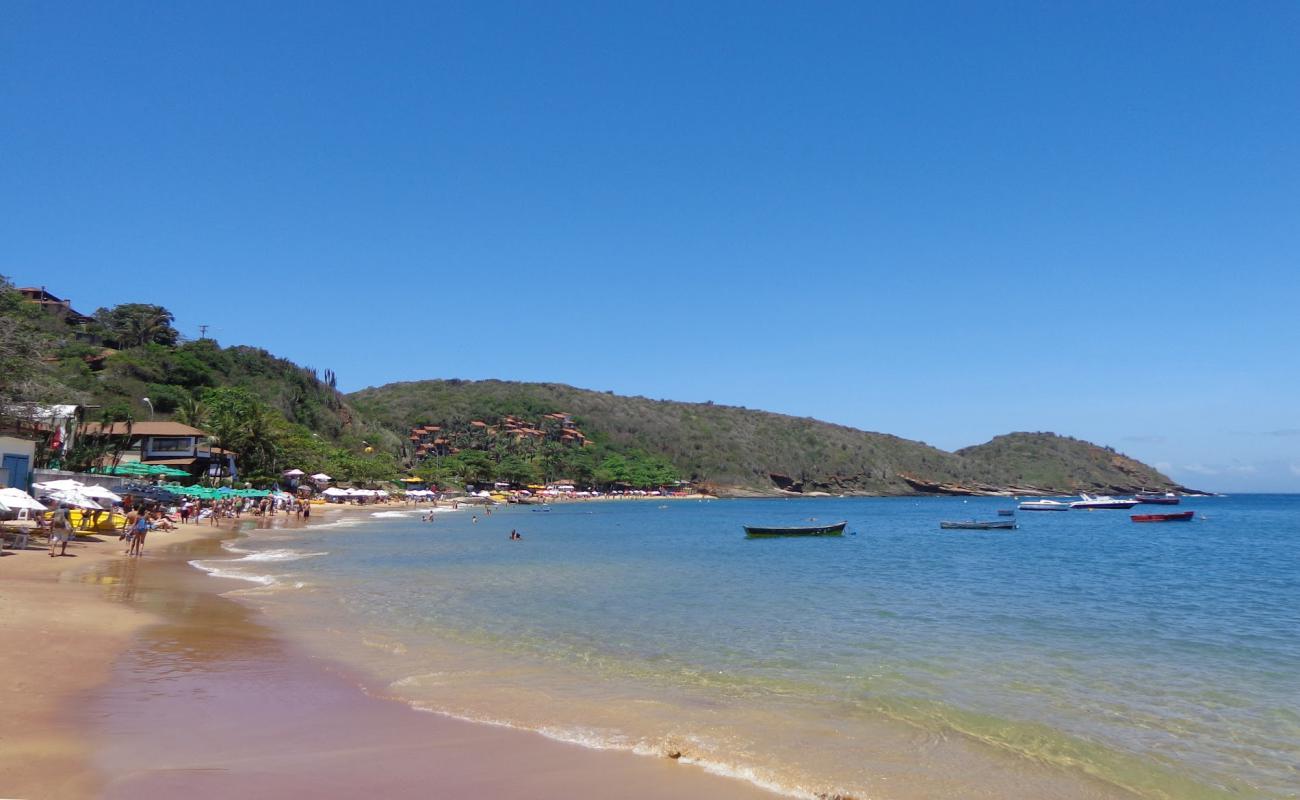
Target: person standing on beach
{"x":137,"y":541}
{"x":61,"y":530}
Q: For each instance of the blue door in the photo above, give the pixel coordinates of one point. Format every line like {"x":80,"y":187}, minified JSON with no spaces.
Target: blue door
{"x":17,"y":466}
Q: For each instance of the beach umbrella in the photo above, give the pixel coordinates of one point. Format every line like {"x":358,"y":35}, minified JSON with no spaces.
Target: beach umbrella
{"x":163,"y":469}
{"x":98,"y":493}
{"x":16,"y":498}
{"x":293,"y":473}
{"x":129,"y":468}
{"x":321,"y":477}
{"x":65,"y":485}
{"x":334,"y":491}
{"x":76,"y":500}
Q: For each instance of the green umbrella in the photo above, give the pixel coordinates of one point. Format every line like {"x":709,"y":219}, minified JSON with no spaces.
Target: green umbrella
{"x":129,"y":468}
{"x":163,"y":469}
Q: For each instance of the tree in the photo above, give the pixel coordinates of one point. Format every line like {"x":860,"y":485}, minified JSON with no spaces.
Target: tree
{"x":137,"y":324}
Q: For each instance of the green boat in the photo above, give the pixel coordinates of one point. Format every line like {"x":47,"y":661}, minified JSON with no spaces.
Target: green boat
{"x":757,"y":532}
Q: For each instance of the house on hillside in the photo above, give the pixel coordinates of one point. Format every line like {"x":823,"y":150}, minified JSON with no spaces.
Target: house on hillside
{"x":171,"y":444}
{"x":55,"y":306}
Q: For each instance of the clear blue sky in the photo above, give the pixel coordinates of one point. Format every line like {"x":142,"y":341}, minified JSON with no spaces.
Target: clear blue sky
{"x":942,"y":220}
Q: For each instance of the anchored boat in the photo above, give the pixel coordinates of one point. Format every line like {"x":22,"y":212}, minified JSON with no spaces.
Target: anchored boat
{"x":1103,"y":501}
{"x":977,"y":525}
{"x":1182,"y":516}
{"x":1044,"y":505}
{"x":1156,"y":498}
{"x":758,"y":531}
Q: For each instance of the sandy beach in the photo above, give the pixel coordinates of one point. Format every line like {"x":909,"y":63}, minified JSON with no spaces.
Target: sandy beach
{"x":137,"y":678}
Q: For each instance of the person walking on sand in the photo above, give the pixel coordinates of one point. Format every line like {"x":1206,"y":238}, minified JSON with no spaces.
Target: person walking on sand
{"x":60,"y":530}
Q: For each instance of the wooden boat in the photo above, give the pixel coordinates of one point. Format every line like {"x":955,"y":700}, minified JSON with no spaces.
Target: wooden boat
{"x":1006,"y":512}
{"x":1182,"y":516}
{"x":978,"y":525}
{"x":758,"y":531}
{"x":1156,"y":498}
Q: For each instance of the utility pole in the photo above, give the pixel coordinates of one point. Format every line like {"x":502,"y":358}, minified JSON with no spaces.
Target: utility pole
{"x":203,"y":331}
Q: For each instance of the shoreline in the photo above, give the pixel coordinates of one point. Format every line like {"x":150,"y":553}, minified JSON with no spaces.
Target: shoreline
{"x":166,"y":686}
{"x":62,"y":640}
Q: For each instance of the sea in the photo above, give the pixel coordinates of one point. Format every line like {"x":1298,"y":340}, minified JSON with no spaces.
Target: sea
{"x":1078,"y":656}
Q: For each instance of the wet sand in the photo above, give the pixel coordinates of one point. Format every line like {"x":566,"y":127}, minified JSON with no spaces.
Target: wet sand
{"x":167,"y":688}
{"x":60,"y":639}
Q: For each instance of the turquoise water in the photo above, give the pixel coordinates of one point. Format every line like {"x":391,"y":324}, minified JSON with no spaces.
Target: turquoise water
{"x":1082,"y":651}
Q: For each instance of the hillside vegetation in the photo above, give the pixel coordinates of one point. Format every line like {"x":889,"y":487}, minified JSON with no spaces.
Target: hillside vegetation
{"x":270,"y":412}
{"x":742,"y":449}
{"x":275,"y":414}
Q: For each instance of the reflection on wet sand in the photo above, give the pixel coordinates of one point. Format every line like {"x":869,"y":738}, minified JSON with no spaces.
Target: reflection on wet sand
{"x":211,"y":703}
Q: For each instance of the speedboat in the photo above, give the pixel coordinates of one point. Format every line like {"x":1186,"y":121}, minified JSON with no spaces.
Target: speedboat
{"x":1156,"y":498}
{"x":1102,"y":501}
{"x":1044,"y":505}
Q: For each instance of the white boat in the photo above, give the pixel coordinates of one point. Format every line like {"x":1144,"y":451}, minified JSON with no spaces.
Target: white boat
{"x":1044,"y":505}
{"x":1101,"y":501}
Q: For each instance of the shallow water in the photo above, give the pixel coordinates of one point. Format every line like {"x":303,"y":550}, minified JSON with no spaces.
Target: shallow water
{"x":1079,"y":656}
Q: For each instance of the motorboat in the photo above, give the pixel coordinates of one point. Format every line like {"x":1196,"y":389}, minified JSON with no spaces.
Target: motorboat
{"x":1102,"y":501}
{"x":1044,"y":505}
{"x":1157,"y":498}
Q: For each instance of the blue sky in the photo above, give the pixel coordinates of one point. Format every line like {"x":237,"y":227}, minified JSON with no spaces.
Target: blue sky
{"x":941,"y":220}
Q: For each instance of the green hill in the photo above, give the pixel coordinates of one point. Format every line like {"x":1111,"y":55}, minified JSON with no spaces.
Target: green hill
{"x":1045,"y":459}
{"x":275,"y":414}
{"x":746,"y":450}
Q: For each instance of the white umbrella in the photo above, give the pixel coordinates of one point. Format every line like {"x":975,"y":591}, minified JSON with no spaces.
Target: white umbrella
{"x":98,"y":493}
{"x":17,"y":498}
{"x":335,"y":491}
{"x":76,"y":500}
{"x":65,"y":485}
{"x":320,"y":476}
{"x":293,"y":473}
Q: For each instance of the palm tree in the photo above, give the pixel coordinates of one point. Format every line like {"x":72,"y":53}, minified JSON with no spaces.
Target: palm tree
{"x":192,"y":412}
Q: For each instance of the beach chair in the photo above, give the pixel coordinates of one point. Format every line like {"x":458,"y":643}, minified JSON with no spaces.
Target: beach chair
{"x":19,"y":536}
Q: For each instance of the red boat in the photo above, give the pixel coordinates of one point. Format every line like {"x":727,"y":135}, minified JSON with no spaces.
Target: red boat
{"x":1185,"y":516}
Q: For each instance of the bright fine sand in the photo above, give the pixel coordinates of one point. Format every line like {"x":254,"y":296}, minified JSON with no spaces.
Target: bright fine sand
{"x":136,"y":678}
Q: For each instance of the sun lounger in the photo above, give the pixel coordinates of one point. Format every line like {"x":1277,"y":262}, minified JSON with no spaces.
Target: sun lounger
{"x":19,"y":536}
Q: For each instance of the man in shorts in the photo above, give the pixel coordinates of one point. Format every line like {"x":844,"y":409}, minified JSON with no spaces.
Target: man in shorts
{"x":60,"y":531}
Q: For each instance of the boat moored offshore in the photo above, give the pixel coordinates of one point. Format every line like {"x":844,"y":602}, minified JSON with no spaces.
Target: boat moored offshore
{"x":1102,"y":501}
